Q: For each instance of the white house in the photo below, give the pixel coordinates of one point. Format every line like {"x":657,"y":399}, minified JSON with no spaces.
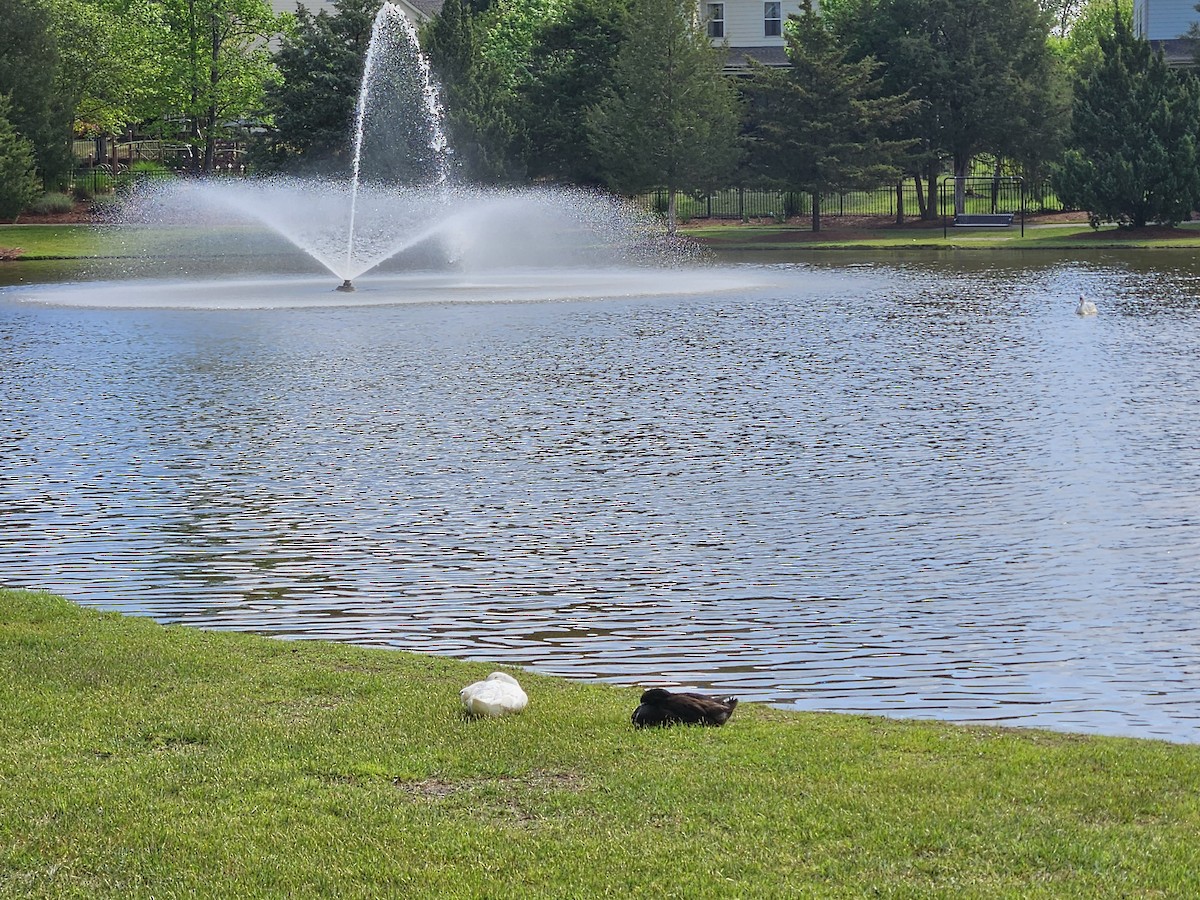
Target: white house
{"x":749,"y":29}
{"x":1165,"y":24}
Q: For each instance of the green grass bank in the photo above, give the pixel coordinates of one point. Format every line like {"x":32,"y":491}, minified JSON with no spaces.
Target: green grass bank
{"x":145,"y":761}
{"x":915,"y":236}
{"x":46,"y":242}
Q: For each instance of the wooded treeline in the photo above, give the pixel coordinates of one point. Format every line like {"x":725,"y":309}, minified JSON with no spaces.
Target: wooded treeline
{"x":629,"y":95}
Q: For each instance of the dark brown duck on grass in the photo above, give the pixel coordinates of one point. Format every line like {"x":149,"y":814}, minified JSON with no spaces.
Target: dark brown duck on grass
{"x":661,"y":707}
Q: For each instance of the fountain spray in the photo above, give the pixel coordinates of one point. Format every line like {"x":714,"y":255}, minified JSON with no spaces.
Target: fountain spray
{"x":391,"y":15}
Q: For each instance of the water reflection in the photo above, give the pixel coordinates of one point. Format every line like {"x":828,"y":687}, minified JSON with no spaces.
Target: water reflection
{"x":916,"y":489}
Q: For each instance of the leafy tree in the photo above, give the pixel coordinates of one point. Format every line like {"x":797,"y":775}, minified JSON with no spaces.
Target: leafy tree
{"x":670,"y":118}
{"x":571,"y":64}
{"x":18,"y":181}
{"x":1080,"y":47}
{"x":112,"y":71}
{"x":218,"y":62}
{"x":1134,"y":137}
{"x":823,"y":117}
{"x":1063,"y":14}
{"x":982,"y":69}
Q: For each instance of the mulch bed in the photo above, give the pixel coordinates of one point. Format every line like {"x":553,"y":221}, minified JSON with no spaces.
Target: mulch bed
{"x":82,"y":214}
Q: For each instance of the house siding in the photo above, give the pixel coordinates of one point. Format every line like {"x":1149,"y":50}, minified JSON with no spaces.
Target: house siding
{"x":744,"y":22}
{"x":1162,"y":20}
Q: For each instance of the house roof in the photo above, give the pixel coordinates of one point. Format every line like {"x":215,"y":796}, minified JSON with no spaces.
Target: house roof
{"x":427,"y":7}
{"x":1179,"y":51}
{"x":769,"y":56}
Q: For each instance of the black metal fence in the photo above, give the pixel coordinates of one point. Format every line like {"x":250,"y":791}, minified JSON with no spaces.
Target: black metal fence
{"x":884,"y":201}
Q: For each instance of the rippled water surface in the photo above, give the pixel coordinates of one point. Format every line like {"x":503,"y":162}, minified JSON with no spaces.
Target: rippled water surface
{"x":918,"y":489}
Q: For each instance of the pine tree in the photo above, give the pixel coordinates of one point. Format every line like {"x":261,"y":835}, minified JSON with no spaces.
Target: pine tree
{"x":18,"y":182}
{"x":670,"y":119}
{"x":481,"y":130}
{"x":321,"y":65}
{"x":823,"y":119}
{"x":1134,"y":149}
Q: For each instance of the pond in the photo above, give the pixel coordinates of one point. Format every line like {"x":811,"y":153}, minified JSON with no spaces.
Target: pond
{"x":910,"y":486}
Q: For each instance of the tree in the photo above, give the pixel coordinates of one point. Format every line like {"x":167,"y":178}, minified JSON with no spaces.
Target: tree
{"x":670,"y":118}
{"x":18,"y":180}
{"x":982,"y":69}
{"x":112,"y":72}
{"x":571,"y":65}
{"x":1081,"y":46}
{"x":824,"y":118}
{"x":219,"y":62}
{"x":312,"y":99}
{"x":29,"y":66}
{"x":1063,"y":14}
{"x":1133,"y":157}
{"x":479,"y":120}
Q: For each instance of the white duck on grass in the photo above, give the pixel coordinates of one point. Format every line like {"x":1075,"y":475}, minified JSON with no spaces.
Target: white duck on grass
{"x":497,"y":695}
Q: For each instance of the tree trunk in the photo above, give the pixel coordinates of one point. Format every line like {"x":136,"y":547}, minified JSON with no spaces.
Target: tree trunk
{"x":922,"y":203}
{"x":210,"y":140}
{"x":671,"y":220}
{"x":214,"y":77}
{"x":816,"y":211}
{"x":934,"y":211}
{"x":900,"y":202}
{"x":193,"y":85}
{"x":962,"y":168}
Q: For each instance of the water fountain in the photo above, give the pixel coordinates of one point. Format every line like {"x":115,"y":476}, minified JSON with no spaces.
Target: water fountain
{"x":398,"y":216}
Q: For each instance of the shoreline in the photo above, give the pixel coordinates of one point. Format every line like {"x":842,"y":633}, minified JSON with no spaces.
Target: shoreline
{"x":143,"y":759}
{"x":48,"y":240}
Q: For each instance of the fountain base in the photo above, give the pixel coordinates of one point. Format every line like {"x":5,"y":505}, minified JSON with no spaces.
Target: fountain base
{"x":346,"y":286}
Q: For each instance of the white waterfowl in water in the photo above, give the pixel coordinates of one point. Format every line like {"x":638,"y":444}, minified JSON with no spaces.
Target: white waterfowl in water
{"x":1086,"y":307}
{"x":497,"y":695}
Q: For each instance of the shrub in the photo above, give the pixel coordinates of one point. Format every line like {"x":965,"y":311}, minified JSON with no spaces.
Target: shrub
{"x":52,"y":203}
{"x":140,"y":173}
{"x":18,"y":178}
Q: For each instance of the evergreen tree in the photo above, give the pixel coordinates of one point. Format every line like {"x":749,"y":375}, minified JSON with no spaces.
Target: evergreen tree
{"x":480,"y":127}
{"x":823,"y":118}
{"x":29,"y":67}
{"x":19,"y":185}
{"x":572,"y":64}
{"x":313,"y":101}
{"x":1135,"y":124}
{"x":670,"y":118}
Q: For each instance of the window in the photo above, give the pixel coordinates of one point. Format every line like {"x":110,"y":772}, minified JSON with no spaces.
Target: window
{"x":772,"y":19}
{"x":716,"y":20}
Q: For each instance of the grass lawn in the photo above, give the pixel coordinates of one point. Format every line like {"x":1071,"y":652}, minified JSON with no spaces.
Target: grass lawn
{"x":84,"y":241}
{"x":145,"y":761}
{"x":1071,"y":236}
{"x":48,"y":241}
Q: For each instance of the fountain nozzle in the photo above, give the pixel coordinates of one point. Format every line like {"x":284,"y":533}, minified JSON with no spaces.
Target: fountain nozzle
{"x":347,"y":286}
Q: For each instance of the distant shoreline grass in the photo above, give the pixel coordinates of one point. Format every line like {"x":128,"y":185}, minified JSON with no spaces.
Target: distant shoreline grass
{"x":139,"y":760}
{"x":1062,"y":237}
{"x":82,"y":241}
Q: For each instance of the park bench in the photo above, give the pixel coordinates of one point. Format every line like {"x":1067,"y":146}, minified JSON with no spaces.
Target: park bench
{"x":983,"y":220}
